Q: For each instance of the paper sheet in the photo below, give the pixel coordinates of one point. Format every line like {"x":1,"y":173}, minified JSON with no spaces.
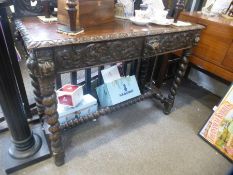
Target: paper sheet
{"x":220,"y":5}
{"x":156,"y":4}
{"x":110,"y":74}
{"x":182,"y":24}
{"x":209,"y":3}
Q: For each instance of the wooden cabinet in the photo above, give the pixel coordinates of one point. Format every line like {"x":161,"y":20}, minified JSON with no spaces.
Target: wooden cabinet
{"x":214,"y":52}
{"x":228,"y":60}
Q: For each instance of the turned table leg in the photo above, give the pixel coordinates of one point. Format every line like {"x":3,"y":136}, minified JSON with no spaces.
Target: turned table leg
{"x":31,"y":64}
{"x":49,"y":101}
{"x":42,"y":72}
{"x":37,"y":95}
{"x":143,"y":75}
{"x":169,"y":101}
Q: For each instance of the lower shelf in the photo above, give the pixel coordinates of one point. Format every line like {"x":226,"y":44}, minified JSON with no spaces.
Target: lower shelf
{"x":75,"y":122}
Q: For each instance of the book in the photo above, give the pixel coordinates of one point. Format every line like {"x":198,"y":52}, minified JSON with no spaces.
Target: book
{"x":218,"y":130}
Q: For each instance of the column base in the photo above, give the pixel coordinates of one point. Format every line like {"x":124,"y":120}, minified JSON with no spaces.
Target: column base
{"x":11,"y":164}
{"x":25,"y":154}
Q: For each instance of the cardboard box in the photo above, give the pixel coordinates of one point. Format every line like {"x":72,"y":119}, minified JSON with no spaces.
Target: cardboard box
{"x":70,"y":95}
{"x":87,"y":106}
{"x":118,"y":91}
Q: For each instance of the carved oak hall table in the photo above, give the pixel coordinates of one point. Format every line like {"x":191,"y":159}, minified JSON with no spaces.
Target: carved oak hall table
{"x":52,"y":53}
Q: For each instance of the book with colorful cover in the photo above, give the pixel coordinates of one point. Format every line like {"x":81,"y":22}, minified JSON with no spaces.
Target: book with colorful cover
{"x":218,"y":130}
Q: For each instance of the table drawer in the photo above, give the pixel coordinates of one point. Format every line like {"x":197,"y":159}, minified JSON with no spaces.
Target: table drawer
{"x":89,"y":55}
{"x":168,"y":42}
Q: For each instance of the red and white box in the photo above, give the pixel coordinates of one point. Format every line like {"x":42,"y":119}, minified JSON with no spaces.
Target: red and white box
{"x":70,"y":95}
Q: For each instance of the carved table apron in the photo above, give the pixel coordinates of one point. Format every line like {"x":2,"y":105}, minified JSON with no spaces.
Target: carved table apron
{"x":52,"y":53}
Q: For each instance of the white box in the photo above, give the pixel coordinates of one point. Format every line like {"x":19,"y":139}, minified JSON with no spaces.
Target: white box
{"x":87,"y":106}
{"x":70,"y":95}
{"x":118,"y":91}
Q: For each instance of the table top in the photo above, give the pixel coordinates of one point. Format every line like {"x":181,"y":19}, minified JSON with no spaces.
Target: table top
{"x":37,"y":34}
{"x":216,"y":19}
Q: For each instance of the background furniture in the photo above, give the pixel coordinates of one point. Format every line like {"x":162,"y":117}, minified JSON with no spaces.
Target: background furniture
{"x":214,"y":53}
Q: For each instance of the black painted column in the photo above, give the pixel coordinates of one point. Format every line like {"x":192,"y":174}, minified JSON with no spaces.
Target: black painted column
{"x":15,"y":64}
{"x":24,"y":142}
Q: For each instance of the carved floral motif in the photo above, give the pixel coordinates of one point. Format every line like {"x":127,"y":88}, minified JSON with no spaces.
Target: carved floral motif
{"x":31,"y":43}
{"x":88,"y":55}
{"x":168,"y":42}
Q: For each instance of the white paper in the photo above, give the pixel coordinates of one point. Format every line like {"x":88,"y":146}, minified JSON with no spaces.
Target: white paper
{"x":33,"y":4}
{"x":220,"y":5}
{"x":209,"y":3}
{"x":128,"y":7}
{"x":155,"y":4}
{"x":110,"y":74}
{"x":155,"y":9}
{"x":12,"y":8}
{"x":182,"y":24}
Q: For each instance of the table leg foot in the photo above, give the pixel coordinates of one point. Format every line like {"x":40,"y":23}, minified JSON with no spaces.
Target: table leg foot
{"x":59,"y":159}
{"x":168,"y":104}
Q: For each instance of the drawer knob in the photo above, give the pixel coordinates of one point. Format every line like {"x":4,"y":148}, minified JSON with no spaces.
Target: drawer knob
{"x":153,"y":45}
{"x":197,"y":39}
